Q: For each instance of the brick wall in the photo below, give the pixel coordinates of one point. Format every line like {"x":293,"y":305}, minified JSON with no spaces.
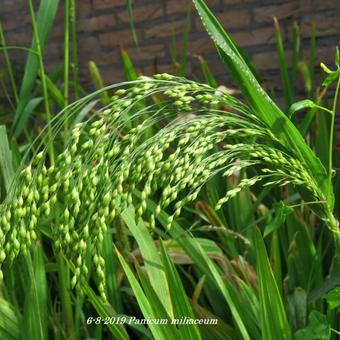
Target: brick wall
{"x":103,"y":26}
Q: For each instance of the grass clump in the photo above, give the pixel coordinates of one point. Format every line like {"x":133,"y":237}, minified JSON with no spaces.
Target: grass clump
{"x":107,"y":162}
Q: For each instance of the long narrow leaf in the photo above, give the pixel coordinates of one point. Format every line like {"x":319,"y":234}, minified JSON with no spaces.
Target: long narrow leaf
{"x":46,"y":15}
{"x":264,"y":107}
{"x":151,"y":258}
{"x":270,"y":300}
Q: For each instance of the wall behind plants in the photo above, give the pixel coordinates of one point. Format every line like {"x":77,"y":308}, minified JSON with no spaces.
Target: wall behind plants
{"x":103,"y":26}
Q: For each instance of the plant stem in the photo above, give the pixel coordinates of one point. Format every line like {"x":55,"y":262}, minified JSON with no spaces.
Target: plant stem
{"x":331,"y":134}
{"x":43,"y":79}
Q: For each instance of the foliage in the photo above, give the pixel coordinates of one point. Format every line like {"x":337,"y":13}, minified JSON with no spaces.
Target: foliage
{"x":165,"y":198}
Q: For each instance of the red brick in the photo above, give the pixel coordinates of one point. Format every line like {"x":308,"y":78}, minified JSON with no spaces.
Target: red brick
{"x":83,"y":8}
{"x":326,"y":55}
{"x":98,"y":23}
{"x":143,"y":13}
{"x":11,"y":6}
{"x":259,"y":36}
{"x":10,"y":24}
{"x":113,"y":75}
{"x":269,"y":60}
{"x":146,"y":52}
{"x":54,"y":48}
{"x":115,"y":38}
{"x":317,"y":5}
{"x":200,"y":46}
{"x":166,"y":29}
{"x":230,"y":19}
{"x":57,"y":31}
{"x":87,"y":44}
{"x":152,"y":69}
{"x":327,"y":27}
{"x":19,"y":38}
{"x":286,"y":10}
{"x":175,"y":7}
{"x":104,"y":4}
{"x":106,"y":58}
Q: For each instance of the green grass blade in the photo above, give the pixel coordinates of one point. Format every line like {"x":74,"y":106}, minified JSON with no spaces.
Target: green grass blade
{"x":273,"y":316}
{"x":98,"y":82}
{"x":179,"y":298}
{"x":208,"y":76}
{"x":185,"y":40}
{"x":144,"y":304}
{"x":264,"y":107}
{"x":296,"y":54}
{"x":105,"y":311}
{"x":55,"y":93}
{"x":6,"y":164}
{"x":151,"y":258}
{"x":219,"y":331}
{"x":35,"y":311}
{"x":84,"y":112}
{"x":312,"y":62}
{"x":129,"y":70}
{"x":112,"y":264}
{"x":204,"y":263}
{"x":132,"y":23}
{"x":9,"y":322}
{"x":46,"y":15}
{"x":287,"y":88}
{"x":171,"y":331}
{"x":29,"y":108}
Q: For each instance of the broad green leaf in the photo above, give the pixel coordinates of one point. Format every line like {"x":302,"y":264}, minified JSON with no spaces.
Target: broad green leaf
{"x":274,"y":323}
{"x":331,"y":78}
{"x":151,"y":258}
{"x":179,"y":298}
{"x":333,"y":298}
{"x":205,"y":264}
{"x":297,"y":306}
{"x":27,"y":111}
{"x":301,"y":105}
{"x":218,"y":331}
{"x":170,"y":330}
{"x":35,"y":311}
{"x":318,"y":328}
{"x":55,"y":93}
{"x":263,"y":106}
{"x":9,"y":322}
{"x":46,"y":15}
{"x":144,"y":304}
{"x":105,"y":311}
